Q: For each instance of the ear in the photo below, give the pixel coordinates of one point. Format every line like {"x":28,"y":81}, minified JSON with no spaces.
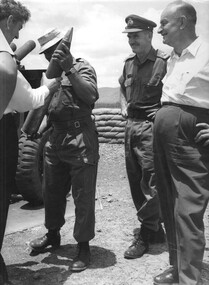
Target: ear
{"x":184,"y":22}
{"x":10,"y":21}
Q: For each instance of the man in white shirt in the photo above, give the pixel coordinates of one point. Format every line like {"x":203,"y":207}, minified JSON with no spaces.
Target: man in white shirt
{"x":16,"y":95}
{"x":180,"y":150}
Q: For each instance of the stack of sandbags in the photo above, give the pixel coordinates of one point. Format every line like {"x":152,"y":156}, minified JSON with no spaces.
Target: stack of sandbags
{"x":110,"y":125}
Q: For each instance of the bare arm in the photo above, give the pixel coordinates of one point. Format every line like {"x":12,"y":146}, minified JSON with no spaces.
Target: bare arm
{"x":123,"y":103}
{"x":8,"y":77}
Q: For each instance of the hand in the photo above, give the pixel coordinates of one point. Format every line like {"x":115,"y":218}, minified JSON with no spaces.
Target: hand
{"x":124,"y":113}
{"x":203,"y":135}
{"x":63,"y":57}
{"x":35,"y":136}
{"x":52,"y":84}
{"x":152,"y":115}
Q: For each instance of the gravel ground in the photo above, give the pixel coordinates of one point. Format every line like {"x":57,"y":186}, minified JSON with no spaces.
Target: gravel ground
{"x":115,"y":221}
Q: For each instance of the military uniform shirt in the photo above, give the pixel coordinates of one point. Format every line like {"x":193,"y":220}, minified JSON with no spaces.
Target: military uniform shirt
{"x":142,"y":82}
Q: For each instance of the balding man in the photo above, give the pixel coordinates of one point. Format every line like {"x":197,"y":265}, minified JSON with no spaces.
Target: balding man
{"x":180,"y":152}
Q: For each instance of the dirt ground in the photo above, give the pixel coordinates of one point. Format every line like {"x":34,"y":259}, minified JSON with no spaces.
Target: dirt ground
{"x":115,"y":221}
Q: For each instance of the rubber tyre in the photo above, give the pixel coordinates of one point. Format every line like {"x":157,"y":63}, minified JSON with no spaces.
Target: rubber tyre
{"x":30,"y":168}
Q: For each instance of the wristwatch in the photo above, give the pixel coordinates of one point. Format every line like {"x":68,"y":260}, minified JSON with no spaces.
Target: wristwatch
{"x":72,"y":70}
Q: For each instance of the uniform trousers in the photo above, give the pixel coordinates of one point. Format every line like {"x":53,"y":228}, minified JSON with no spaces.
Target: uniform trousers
{"x":8,"y":164}
{"x":71,"y":160}
{"x":182,"y":177}
{"x":140,"y":171}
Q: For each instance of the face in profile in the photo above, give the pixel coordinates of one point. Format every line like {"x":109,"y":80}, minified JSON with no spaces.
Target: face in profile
{"x":49,"y":52}
{"x":169,"y":27}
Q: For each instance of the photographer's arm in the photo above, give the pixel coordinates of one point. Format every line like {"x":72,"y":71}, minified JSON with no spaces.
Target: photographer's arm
{"x":8,"y":78}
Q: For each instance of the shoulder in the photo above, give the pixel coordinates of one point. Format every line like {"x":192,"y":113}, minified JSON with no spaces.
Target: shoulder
{"x":7,"y":64}
{"x":81,"y":60}
{"x":83,"y":65}
{"x":130,"y":57}
{"x":163,"y":55}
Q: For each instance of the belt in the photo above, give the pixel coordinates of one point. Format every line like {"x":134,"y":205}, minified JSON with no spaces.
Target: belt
{"x":74,"y":124}
{"x":138,"y":114}
{"x":187,"y":107}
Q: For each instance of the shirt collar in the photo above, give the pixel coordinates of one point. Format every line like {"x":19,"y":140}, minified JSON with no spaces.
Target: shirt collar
{"x":151,"y":56}
{"x":192,"y":49}
{"x":4,"y":46}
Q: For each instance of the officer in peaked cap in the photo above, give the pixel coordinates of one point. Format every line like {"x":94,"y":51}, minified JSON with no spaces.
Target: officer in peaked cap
{"x":141,"y":89}
{"x":136,"y":24}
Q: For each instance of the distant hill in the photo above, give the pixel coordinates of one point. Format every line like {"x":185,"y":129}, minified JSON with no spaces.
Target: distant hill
{"x":108,"y":97}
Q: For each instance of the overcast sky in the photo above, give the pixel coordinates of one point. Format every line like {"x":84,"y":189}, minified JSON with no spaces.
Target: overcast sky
{"x":98,"y":27}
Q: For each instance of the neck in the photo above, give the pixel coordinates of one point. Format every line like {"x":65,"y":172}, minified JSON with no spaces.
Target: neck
{"x":143,"y":55}
{"x":184,"y":43}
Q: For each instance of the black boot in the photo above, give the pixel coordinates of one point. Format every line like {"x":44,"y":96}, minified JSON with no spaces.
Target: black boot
{"x":3,"y":271}
{"x":82,"y":259}
{"x":51,"y":238}
{"x":138,"y":247}
{"x":169,"y":276}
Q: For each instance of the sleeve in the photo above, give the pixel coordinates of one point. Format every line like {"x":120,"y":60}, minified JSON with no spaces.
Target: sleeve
{"x":121,"y":79}
{"x":26,"y":98}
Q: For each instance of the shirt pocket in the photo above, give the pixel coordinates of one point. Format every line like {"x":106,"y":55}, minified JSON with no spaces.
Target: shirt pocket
{"x":154,"y":89}
{"x":128,"y":85}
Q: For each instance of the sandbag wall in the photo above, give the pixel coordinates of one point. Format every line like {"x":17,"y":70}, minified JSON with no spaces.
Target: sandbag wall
{"x":110,"y":125}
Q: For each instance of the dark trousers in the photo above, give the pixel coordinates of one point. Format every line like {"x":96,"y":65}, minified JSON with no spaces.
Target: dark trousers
{"x":140,"y":171}
{"x":182,"y":176}
{"x":8,"y":164}
{"x":71,"y":160}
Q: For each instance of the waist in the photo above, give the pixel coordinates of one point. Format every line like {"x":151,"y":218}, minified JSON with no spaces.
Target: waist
{"x":139,"y":114}
{"x":72,"y":124}
{"x":187,"y":107}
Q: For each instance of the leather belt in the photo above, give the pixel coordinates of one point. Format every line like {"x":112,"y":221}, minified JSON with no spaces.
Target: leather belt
{"x":74,"y":124}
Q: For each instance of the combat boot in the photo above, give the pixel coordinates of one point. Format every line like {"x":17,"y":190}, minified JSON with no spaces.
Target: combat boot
{"x":82,"y":259}
{"x":52,"y":238}
{"x":139,"y":246}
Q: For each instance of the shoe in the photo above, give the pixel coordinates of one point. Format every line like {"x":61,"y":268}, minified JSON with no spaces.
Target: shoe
{"x":138,"y":247}
{"x":82,"y":259}
{"x":169,"y":276}
{"x":52,"y":238}
{"x":5,"y":282}
{"x":157,"y":237}
{"x":3,"y":272}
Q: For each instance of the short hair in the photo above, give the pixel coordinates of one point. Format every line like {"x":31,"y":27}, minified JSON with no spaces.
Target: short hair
{"x":16,"y":9}
{"x":186,"y":9}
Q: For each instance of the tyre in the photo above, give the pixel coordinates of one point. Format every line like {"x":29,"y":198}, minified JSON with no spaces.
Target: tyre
{"x":30,"y":168}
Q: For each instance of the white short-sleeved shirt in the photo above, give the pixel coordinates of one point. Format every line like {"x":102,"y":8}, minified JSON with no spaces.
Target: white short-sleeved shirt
{"x":187,"y":79}
{"x":24,"y":97}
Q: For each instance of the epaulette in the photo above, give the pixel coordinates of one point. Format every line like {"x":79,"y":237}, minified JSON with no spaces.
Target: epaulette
{"x":130,"y":56}
{"x":162,"y":54}
{"x":79,"y":59}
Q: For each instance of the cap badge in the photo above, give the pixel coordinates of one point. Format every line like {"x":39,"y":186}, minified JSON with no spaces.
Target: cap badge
{"x":130,"y":22}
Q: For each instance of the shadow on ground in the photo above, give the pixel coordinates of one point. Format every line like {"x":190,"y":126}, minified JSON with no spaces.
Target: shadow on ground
{"x":55,"y":267}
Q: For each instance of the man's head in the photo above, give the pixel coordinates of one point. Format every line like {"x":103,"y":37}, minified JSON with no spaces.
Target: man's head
{"x":177,"y":23}
{"x":13,"y":15}
{"x":139,"y":32}
{"x":49,"y":42}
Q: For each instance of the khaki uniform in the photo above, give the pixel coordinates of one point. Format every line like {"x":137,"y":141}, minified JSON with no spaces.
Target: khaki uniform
{"x":71,"y":158}
{"x":142,"y":84}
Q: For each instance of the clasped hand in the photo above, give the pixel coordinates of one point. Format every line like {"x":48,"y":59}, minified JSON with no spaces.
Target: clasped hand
{"x":63,"y":57}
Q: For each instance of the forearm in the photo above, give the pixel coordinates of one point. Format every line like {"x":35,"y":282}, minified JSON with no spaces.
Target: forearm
{"x":123,"y":102}
{"x":85,"y":90}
